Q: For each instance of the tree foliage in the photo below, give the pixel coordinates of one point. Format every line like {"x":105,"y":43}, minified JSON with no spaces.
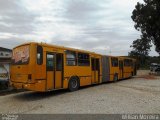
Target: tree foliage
{"x":147,"y":20}
{"x":141,"y":46}
{"x":140,"y":51}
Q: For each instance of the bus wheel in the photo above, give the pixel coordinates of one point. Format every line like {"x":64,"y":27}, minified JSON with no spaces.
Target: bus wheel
{"x":115,"y":77}
{"x":73,"y":84}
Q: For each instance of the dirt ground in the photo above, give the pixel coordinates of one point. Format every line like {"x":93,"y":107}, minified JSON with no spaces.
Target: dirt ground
{"x":140,"y":94}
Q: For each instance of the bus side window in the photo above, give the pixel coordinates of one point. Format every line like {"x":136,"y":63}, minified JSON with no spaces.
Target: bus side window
{"x":83,"y":59}
{"x":71,"y":58}
{"x":114,"y":62}
{"x":39,"y":55}
{"x":128,"y":62}
{"x":50,"y":61}
{"x":59,"y":62}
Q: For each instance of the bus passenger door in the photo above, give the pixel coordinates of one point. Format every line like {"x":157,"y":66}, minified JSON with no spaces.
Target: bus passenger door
{"x":59,"y":71}
{"x":50,"y":68}
{"x":95,"y":70}
{"x":121,"y":69}
{"x":54,"y":67}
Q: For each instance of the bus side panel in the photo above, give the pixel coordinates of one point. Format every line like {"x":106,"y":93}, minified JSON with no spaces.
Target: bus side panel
{"x":40,"y":71}
{"x":84,"y":74}
{"x":58,"y":80}
{"x":113,"y":70}
{"x":85,"y":81}
{"x":121,"y":68}
{"x":105,"y":69}
{"x":65,"y":83}
{"x":127,"y":72}
{"x":50,"y":80}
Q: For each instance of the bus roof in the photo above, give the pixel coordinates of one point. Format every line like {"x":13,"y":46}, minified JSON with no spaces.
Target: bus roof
{"x":72,"y":49}
{"x":57,"y":46}
{"x":121,"y":57}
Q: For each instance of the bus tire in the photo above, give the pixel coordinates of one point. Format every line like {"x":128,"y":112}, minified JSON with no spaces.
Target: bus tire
{"x":73,"y":84}
{"x":115,"y":77}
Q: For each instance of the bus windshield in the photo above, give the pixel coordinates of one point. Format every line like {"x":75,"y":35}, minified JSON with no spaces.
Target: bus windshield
{"x":20,"y":55}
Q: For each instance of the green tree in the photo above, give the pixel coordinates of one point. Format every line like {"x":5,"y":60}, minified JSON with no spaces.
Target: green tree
{"x":141,"y":46}
{"x":147,"y":20}
{"x":140,"y":50}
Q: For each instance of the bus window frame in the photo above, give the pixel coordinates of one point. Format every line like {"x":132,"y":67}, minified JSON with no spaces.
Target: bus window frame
{"x":71,"y":59}
{"x":83,"y":64}
{"x":39,"y":51}
{"x":59,"y":59}
{"x":113,"y":59}
{"x":50,"y":68}
{"x":128,"y":62}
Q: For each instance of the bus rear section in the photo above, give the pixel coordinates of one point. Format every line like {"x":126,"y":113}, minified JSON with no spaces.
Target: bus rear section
{"x":24,"y":70}
{"x":116,"y":68}
{"x":128,"y":67}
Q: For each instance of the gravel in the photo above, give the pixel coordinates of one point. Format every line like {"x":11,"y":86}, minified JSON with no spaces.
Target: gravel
{"x":135,"y":95}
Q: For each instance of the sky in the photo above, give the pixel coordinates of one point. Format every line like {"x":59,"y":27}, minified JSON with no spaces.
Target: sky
{"x":102,"y":26}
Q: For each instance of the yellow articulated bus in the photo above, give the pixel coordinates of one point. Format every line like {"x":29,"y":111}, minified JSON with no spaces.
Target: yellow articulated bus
{"x":42,"y":67}
{"x":115,"y":68}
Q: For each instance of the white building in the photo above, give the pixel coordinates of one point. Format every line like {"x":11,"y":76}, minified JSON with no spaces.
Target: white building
{"x":5,"y":60}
